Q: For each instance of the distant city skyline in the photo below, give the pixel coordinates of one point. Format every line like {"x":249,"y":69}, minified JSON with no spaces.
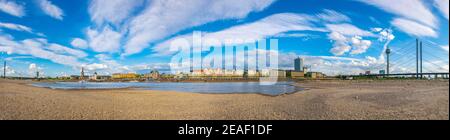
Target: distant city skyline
{"x":57,"y":38}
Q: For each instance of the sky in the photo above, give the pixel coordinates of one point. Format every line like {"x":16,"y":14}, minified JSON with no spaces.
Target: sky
{"x":58,"y":37}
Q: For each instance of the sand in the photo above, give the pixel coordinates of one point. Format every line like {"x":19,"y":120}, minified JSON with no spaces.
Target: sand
{"x":322,"y":100}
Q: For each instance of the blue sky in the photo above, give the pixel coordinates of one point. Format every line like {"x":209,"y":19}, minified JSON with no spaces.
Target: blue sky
{"x":57,"y":37}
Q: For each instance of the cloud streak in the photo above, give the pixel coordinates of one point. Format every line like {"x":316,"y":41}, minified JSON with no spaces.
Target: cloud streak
{"x":413,"y":28}
{"x":50,"y":9}
{"x":159,"y":19}
{"x":333,"y":16}
{"x":266,"y":27}
{"x":39,"y":48}
{"x":18,"y":27}
{"x":442,"y":5}
{"x":106,"y":40}
{"x":79,"y":43}
{"x":12,"y":8}
{"x":165,"y":17}
{"x":420,"y":13}
{"x":107,"y":11}
{"x":414,"y":17}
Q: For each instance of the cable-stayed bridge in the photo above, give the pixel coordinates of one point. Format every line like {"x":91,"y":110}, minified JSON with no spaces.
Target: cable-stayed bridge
{"x":416,"y":59}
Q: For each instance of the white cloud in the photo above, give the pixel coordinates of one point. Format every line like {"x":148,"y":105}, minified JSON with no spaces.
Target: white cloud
{"x":50,"y":9}
{"x":95,"y":67}
{"x":14,"y":58}
{"x":163,"y":18}
{"x":340,"y":45}
{"x":414,"y":17}
{"x":348,"y":38}
{"x":269,"y":26}
{"x":335,"y":58}
{"x":442,"y":5}
{"x":333,"y":16}
{"x":411,"y":9}
{"x":79,"y":43}
{"x":371,"y":60}
{"x":65,"y":50}
{"x":158,"y":20}
{"x":106,"y":40}
{"x":348,"y":30}
{"x":40,"y":34}
{"x":445,"y":47}
{"x":39,"y":48}
{"x":302,"y":36}
{"x":340,"y":49}
{"x":12,"y":8}
{"x":32,"y":67}
{"x":385,"y":35}
{"x":292,"y":35}
{"x":16,"y":27}
{"x":413,"y":28}
{"x":106,"y":65}
{"x":112,"y":11}
{"x":359,"y":45}
{"x":102,"y":57}
{"x":377,"y":29}
{"x":9,"y":71}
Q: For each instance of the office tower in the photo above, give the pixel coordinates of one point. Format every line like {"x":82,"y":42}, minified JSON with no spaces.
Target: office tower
{"x":298,"y":64}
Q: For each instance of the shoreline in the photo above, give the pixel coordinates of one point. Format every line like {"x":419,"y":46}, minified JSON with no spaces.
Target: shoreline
{"x":320,"y":100}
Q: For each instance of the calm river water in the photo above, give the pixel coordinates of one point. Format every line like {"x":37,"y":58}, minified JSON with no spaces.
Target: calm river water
{"x":221,"y":88}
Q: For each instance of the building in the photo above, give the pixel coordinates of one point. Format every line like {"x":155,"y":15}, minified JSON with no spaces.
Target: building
{"x":253,"y":73}
{"x":167,"y":76}
{"x":82,"y":77}
{"x":382,"y":72}
{"x":306,"y":69}
{"x":279,"y":73}
{"x":218,"y":72}
{"x":154,"y":74}
{"x":63,"y":77}
{"x":367,"y":73}
{"x":78,"y":77}
{"x":124,"y":76}
{"x":297,"y":75}
{"x":197,"y":73}
{"x":181,"y":76}
{"x":93,"y":77}
{"x":298,"y":64}
{"x":103,"y":77}
{"x":74,"y":77}
{"x":315,"y":75}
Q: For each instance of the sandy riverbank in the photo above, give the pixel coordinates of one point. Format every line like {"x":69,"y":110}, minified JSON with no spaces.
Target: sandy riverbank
{"x":323,"y":100}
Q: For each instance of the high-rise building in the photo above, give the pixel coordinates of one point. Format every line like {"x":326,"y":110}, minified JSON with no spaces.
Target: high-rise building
{"x":298,"y":64}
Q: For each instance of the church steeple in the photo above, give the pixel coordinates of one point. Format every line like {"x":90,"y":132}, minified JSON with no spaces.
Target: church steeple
{"x":82,"y":73}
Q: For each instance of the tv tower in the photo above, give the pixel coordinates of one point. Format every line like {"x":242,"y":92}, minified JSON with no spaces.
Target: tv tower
{"x":4,"y":70}
{"x":388,"y":52}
